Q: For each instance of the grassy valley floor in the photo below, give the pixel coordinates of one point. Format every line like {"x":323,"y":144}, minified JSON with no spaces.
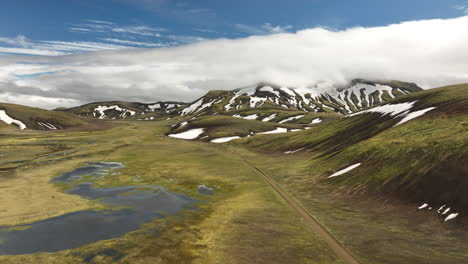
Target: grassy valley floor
{"x":246,"y":221}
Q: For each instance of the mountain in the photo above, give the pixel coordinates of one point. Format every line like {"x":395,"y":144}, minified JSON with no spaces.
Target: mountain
{"x":117,"y":110}
{"x":358,"y":95}
{"x":412,"y":149}
{"x":25,"y":117}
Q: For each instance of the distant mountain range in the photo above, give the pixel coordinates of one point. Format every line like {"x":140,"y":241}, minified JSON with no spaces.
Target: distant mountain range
{"x":359,"y":94}
{"x":117,"y":109}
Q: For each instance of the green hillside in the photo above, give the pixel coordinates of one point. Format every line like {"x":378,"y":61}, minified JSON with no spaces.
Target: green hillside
{"x":420,"y":161}
{"x":217,"y":126}
{"x":36,"y":118}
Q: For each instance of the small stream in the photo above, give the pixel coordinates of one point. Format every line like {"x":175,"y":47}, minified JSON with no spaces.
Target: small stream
{"x":128,"y":208}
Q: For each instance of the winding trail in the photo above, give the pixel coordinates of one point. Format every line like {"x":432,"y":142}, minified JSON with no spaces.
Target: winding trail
{"x":339,"y":249}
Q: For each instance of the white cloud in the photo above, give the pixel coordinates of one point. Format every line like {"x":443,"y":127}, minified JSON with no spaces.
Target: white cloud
{"x":36,"y":101}
{"x":56,"y":48}
{"x":78,"y":29}
{"x":135,"y":43}
{"x":265,"y":29}
{"x":134,"y":35}
{"x":77,"y":46}
{"x":20,"y":40}
{"x":99,"y":26}
{"x":204,"y":30}
{"x":429,"y":52}
{"x":100,"y":22}
{"x":27,"y":51}
{"x":140,"y":30}
{"x":462,"y":8}
{"x":276,"y":29}
{"x":185,"y":39}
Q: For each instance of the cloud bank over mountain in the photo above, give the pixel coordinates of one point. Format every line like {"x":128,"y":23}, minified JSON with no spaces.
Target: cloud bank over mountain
{"x":429,"y":52}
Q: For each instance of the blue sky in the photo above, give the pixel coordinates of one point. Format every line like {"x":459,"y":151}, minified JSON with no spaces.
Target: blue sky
{"x":112,"y":24}
{"x":71,"y":52}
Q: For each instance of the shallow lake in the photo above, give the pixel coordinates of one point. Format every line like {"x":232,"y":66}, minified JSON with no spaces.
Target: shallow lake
{"x":129,"y":207}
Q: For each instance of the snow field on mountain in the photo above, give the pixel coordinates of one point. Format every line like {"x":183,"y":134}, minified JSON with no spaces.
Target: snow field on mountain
{"x":7,"y":119}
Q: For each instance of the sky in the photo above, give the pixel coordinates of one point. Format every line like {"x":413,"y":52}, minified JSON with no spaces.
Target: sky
{"x":70,"y":52}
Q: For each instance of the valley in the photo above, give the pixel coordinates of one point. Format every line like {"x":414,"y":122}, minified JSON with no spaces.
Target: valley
{"x":387,"y":183}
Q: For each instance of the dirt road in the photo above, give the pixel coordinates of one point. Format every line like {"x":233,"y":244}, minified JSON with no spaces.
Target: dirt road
{"x":342,"y":252}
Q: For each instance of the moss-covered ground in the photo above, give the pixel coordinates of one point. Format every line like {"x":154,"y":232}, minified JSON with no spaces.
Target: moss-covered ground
{"x":244,"y":222}
{"x":371,"y":210}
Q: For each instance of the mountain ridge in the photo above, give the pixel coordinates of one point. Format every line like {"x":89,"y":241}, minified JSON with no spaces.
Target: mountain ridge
{"x":358,"y":94}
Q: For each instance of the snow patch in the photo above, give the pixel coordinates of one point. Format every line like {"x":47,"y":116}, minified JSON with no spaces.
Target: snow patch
{"x":422,"y":206}
{"x":316,"y":121}
{"x":189,"y":109}
{"x":450,"y":217}
{"x":293,"y":151}
{"x":270,"y":90}
{"x":48,"y":125}
{"x":276,"y":131}
{"x":440,"y":209}
{"x":7,"y":119}
{"x":250,"y":90}
{"x":397,"y":110}
{"x":290,"y":119}
{"x":269,"y":118}
{"x":102,"y":108}
{"x":288,"y":91}
{"x":389,"y":109}
{"x":343,"y":171}
{"x":224,"y":139}
{"x":206,"y":105}
{"x":154,"y":107}
{"x":414,"y":115}
{"x":256,"y":101}
{"x":189,"y":134}
{"x":328,"y":107}
{"x":249,"y":117}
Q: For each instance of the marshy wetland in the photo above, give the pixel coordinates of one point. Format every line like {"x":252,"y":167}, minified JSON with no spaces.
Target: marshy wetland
{"x":129,"y":207}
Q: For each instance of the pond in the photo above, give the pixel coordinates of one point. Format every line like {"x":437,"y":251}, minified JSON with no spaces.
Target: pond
{"x":128,"y":208}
